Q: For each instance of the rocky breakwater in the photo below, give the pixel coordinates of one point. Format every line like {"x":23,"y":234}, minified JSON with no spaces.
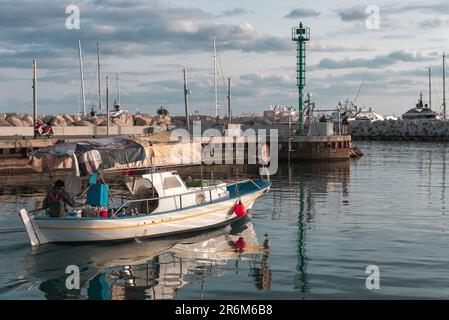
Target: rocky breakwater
{"x":122,"y":119}
{"x":419,"y":130}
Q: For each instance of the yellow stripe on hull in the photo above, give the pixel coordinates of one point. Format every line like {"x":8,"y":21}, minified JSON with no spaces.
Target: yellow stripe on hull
{"x":168,"y":220}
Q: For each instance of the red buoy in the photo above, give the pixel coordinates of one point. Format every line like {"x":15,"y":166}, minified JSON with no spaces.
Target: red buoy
{"x":239,"y":209}
{"x":239,"y":245}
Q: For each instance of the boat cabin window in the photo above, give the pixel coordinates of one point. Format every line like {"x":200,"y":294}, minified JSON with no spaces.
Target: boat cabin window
{"x":171,"y":182}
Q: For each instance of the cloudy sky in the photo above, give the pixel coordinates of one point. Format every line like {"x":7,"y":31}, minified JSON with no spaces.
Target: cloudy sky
{"x":149,"y":42}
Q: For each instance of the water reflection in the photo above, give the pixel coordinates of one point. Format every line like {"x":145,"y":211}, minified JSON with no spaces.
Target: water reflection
{"x":443,"y":179}
{"x":326,"y":223}
{"x":301,"y":276}
{"x":150,"y":269}
{"x":308,"y":181}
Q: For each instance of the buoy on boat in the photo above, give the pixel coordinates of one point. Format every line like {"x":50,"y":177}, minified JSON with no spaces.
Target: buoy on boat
{"x":240,"y":209}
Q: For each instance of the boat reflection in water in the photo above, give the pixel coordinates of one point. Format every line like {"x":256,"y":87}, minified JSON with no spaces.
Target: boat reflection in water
{"x":150,"y":269}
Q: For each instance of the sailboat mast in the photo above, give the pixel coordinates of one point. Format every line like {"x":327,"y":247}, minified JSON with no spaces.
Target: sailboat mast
{"x":107,"y":105}
{"x":117,"y":90}
{"x":430,"y":88}
{"x":82,"y":78}
{"x":34,"y":95}
{"x":229,"y":101}
{"x":444,"y":86}
{"x":99,"y":79}
{"x":215,"y":80}
{"x":186,"y":101}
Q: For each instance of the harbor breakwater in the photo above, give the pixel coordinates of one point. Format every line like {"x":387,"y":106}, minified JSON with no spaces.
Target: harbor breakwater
{"x":415,"y":130}
{"x":123,"y":119}
{"x":66,"y":120}
{"x":121,"y":123}
{"x":419,"y":130}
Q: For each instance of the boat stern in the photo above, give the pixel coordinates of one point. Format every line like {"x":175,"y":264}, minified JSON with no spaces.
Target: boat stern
{"x":33,"y":231}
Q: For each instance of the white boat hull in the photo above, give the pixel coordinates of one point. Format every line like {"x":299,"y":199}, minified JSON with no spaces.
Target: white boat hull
{"x":43,"y":229}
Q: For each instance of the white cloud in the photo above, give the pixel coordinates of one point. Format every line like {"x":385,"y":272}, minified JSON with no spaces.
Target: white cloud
{"x":188,"y":26}
{"x":247,"y":27}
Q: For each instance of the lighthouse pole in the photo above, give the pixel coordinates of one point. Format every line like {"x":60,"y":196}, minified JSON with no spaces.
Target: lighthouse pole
{"x":301,"y":35}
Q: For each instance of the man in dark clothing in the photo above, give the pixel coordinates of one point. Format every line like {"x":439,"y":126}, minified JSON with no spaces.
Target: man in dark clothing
{"x":57,"y":199}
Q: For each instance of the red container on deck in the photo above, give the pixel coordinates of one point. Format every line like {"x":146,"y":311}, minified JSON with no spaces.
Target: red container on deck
{"x":104,"y":213}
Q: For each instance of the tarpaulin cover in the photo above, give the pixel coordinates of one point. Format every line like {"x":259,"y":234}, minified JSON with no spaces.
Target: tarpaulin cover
{"x":92,"y":155}
{"x":115,"y":153}
{"x":168,"y":154}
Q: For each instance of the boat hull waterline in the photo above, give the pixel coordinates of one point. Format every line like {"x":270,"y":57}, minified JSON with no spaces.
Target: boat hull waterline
{"x":43,"y":229}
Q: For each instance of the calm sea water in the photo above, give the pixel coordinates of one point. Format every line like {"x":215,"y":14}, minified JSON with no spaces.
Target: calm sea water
{"x":311,"y":237}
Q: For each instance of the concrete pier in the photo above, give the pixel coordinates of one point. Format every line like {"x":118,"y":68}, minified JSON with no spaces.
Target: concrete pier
{"x":73,"y":132}
{"x":14,"y":159}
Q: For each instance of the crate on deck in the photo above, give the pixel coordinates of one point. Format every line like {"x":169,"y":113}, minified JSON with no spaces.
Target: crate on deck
{"x":98,"y":195}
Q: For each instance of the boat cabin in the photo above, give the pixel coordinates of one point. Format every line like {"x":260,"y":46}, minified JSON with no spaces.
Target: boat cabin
{"x":166,"y":191}
{"x":420,"y":112}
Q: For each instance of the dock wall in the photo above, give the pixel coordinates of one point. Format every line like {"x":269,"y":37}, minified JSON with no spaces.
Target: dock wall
{"x":74,"y":131}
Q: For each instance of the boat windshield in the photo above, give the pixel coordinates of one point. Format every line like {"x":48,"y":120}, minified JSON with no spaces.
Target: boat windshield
{"x":142,"y":188}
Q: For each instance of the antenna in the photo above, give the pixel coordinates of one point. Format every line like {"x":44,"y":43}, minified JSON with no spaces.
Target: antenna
{"x":300,"y":35}
{"x":215,"y":80}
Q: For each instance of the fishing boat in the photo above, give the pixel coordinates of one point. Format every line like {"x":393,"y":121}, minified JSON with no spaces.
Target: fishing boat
{"x":161,"y":204}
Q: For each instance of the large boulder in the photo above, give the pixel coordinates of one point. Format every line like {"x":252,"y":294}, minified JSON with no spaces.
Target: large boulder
{"x":76,"y":118}
{"x":160,"y":119}
{"x":248,"y":120}
{"x":122,"y":120}
{"x":2,"y":116}
{"x":143,"y":120}
{"x":270,"y":114}
{"x":4,"y":123}
{"x":46,"y":119}
{"x":28,"y":120}
{"x":68,"y":119}
{"x":98,"y":121}
{"x":16,"y":121}
{"x":58,"y":121}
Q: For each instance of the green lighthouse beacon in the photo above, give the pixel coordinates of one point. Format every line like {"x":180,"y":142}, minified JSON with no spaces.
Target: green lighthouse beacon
{"x":301,"y":34}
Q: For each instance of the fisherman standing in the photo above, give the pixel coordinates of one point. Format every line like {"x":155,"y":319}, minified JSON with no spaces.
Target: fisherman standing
{"x":57,"y":199}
